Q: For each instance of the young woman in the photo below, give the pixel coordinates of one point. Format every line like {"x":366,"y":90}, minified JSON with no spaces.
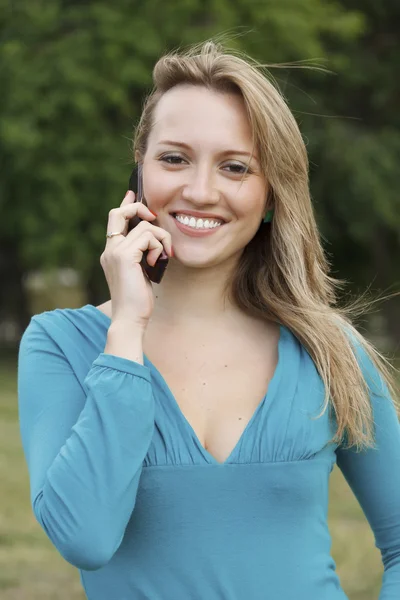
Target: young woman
{"x":180,"y":437}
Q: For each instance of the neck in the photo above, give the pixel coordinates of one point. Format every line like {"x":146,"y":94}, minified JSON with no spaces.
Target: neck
{"x":193,"y":296}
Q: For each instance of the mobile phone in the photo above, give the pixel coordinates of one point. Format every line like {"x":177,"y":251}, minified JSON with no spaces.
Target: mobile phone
{"x":156,"y":273}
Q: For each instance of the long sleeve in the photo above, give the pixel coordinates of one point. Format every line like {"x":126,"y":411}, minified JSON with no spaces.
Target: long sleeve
{"x":84,"y":445}
{"x":374,"y":477}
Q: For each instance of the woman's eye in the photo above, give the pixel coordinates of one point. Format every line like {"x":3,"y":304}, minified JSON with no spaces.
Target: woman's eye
{"x":238,"y":169}
{"x":172,"y":159}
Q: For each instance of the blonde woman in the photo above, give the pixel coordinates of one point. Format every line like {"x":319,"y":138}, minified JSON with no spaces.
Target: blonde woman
{"x":180,"y":436}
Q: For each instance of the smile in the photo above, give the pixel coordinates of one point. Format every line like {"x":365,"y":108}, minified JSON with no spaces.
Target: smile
{"x":197,"y":223}
{"x":196,"y":227}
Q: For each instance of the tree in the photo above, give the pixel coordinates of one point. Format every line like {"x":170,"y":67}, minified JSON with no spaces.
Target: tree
{"x":74,"y":75}
{"x":356,"y":153}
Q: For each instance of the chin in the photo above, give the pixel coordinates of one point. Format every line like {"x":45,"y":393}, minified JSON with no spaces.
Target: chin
{"x":199,"y":260}
{"x":196,"y":262}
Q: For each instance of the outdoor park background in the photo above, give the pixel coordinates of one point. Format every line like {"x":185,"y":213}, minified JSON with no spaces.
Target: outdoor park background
{"x":73,"y":76}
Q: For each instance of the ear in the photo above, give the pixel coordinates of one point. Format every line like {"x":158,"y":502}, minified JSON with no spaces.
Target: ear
{"x":270,"y":201}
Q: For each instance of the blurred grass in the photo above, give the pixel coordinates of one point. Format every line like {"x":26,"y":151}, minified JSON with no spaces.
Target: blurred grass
{"x":31,"y":568}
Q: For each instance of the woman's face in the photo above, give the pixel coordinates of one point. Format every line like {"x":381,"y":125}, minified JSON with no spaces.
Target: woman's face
{"x":195,"y":160}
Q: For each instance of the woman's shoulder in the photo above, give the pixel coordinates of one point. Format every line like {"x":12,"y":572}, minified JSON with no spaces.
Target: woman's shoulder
{"x":66,"y":323}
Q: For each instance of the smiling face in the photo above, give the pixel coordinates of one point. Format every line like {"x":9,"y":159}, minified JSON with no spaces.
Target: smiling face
{"x":196,"y":162}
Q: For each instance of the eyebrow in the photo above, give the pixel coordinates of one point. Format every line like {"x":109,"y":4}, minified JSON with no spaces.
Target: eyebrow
{"x":223,"y":153}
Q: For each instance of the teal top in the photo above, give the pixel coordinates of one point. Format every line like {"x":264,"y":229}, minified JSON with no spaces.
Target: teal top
{"x":127,"y":494}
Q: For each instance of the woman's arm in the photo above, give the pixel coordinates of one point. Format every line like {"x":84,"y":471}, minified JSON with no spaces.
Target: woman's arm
{"x":374,"y":477}
{"x":84,"y":451}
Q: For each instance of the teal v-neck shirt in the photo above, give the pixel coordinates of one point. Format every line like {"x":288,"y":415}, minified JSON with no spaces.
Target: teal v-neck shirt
{"x":126,"y":492}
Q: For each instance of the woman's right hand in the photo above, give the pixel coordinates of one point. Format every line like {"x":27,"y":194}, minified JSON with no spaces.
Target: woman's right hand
{"x":131,"y":291}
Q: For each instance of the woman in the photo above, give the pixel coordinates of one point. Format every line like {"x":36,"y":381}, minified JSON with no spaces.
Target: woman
{"x":180,"y":437}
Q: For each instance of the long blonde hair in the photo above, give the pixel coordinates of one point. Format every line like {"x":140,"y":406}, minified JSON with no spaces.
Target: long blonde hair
{"x":283,"y":271}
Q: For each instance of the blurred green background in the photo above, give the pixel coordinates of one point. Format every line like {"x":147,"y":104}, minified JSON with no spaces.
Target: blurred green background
{"x":73,"y":76}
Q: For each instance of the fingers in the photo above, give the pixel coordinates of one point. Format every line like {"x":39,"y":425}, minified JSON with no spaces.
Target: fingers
{"x":157,"y":232}
{"x":147,"y":241}
{"x":154,"y":234}
{"x":118,"y":218}
{"x":144,"y":235}
{"x":128,"y":198}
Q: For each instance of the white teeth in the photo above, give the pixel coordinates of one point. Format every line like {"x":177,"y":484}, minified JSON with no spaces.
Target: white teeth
{"x":198,"y":223}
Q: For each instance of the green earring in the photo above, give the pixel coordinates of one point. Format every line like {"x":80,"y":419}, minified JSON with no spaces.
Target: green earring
{"x":268,"y":216}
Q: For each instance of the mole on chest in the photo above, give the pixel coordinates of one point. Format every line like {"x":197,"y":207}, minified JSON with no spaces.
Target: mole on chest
{"x":217,"y":387}
{"x":218,"y":403}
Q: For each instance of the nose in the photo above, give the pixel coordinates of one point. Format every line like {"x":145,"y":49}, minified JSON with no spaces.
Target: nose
{"x":200,"y":187}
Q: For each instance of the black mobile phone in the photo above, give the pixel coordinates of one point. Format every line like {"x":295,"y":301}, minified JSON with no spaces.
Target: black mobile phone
{"x":155,"y":274}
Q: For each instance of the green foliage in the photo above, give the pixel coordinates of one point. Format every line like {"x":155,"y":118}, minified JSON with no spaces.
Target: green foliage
{"x":355,"y":149}
{"x":74,"y":75}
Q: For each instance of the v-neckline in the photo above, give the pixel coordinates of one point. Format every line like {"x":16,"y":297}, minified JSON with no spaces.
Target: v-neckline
{"x":269,"y":395}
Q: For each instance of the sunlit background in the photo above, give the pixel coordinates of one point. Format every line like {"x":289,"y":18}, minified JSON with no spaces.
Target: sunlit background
{"x":73,"y":76}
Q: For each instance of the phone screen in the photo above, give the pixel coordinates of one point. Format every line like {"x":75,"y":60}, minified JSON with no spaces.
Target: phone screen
{"x":155,"y":274}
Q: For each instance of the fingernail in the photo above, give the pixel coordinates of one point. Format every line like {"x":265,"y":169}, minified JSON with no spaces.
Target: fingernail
{"x":153,"y":213}
{"x":126,"y":194}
